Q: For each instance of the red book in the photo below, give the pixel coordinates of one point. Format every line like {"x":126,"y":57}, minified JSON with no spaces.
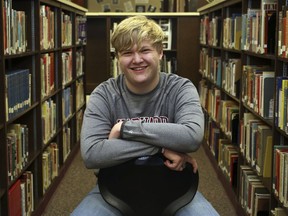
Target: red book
{"x":14,"y":199}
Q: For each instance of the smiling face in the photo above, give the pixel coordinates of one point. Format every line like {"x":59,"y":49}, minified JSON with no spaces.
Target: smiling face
{"x":138,"y":47}
{"x":141,"y":66}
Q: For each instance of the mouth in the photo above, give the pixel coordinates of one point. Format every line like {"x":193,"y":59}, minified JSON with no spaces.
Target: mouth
{"x":138,"y":68}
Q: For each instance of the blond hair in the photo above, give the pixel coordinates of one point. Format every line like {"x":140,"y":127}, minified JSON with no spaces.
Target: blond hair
{"x":134,"y":30}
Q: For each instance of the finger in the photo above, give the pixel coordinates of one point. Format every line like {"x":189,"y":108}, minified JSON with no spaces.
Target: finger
{"x":195,"y":165}
{"x":173,"y":165}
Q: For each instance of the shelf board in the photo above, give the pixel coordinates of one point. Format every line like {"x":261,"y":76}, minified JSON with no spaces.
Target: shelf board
{"x":216,"y":3}
{"x":73,"y":5}
{"x":163,"y":14}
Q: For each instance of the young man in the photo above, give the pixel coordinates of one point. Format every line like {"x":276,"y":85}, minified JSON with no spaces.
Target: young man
{"x":141,"y":112}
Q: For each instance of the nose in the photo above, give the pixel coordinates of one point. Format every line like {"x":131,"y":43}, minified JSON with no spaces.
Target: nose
{"x":137,"y":57}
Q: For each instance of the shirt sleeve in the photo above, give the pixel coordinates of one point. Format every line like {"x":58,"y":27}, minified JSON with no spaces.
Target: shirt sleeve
{"x":97,"y":150}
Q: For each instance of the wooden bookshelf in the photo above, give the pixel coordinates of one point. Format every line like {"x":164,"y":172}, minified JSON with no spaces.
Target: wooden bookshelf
{"x":235,"y":64}
{"x":185,"y":34}
{"x":33,"y":66}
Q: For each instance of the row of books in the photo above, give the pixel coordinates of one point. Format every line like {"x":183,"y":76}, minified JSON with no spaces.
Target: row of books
{"x":259,"y":27}
{"x":21,"y":196}
{"x":256,"y":93}
{"x":50,"y":165}
{"x":232,"y":31}
{"x":168,"y":65}
{"x":253,"y":195}
{"x":253,"y":31}
{"x":256,"y":143}
{"x":212,"y":135}
{"x":210,"y":30}
{"x":229,"y":119}
{"x":254,"y":136}
{"x":17,"y":149}
{"x":178,"y":5}
{"x":49,"y":119}
{"x":257,"y":81}
{"x":66,"y":29}
{"x":47,"y":27}
{"x":280,"y":173}
{"x":15,"y":30}
{"x":225,"y":74}
{"x":283,"y":32}
{"x":225,"y":112}
{"x":166,"y":25}
{"x":211,"y":67}
{"x":67,"y":103}
{"x":224,"y":152}
{"x":47,"y":74}
{"x":228,"y":160}
{"x":79,"y":62}
{"x":17,"y":91}
{"x":81,"y":36}
{"x":67,"y":68}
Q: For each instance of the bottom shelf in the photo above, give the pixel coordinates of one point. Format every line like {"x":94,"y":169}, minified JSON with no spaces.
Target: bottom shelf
{"x":230,"y":192}
{"x":49,"y":193}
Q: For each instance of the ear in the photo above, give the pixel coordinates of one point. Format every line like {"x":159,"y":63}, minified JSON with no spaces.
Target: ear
{"x":160,"y":53}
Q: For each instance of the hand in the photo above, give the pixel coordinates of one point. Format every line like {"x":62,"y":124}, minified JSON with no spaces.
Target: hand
{"x":176,"y":161}
{"x":192,"y":161}
{"x":115,"y":131}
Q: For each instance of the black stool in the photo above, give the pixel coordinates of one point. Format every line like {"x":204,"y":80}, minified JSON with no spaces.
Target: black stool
{"x":146,"y":187}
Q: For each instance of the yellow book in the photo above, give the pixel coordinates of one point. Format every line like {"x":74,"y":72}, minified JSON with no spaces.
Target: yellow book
{"x":282,"y":104}
{"x":267,"y":163}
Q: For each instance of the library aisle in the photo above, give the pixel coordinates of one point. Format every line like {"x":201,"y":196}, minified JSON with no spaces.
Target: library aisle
{"x":78,"y":181}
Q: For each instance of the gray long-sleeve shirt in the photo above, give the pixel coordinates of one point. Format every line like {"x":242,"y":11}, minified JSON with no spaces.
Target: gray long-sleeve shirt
{"x":168,"y":117}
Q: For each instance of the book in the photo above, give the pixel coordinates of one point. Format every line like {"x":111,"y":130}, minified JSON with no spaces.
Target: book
{"x":238,"y":32}
{"x":253,"y":187}
{"x":278,"y":105}
{"x":17,"y":92}
{"x":268,"y":26}
{"x":263,"y":149}
{"x":247,"y":116}
{"x":266,"y":108}
{"x":14,"y":199}
{"x":276,"y":180}
{"x":261,"y":204}
{"x":267,"y":163}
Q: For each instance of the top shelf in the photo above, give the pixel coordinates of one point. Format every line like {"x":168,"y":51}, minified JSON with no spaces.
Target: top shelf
{"x":71,"y":4}
{"x":217,"y":3}
{"x":170,"y":14}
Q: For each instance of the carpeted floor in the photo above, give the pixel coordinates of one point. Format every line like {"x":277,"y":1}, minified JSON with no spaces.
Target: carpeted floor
{"x":78,"y":181}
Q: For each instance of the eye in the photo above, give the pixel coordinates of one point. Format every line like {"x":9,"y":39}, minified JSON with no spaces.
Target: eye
{"x":126,"y":53}
{"x":145,"y":50}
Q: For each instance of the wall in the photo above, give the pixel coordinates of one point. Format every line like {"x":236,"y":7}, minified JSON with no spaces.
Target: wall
{"x":133,"y":5}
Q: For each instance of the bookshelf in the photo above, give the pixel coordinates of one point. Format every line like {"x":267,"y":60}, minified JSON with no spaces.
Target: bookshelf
{"x":243,"y":65}
{"x":42,"y":100}
{"x":184,"y":28}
